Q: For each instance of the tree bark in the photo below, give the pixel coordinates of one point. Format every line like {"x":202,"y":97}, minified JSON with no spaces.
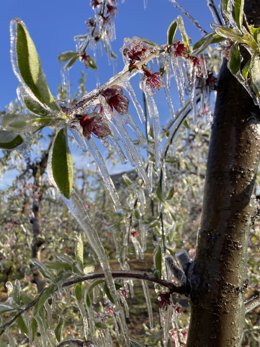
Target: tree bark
{"x":218,"y":277}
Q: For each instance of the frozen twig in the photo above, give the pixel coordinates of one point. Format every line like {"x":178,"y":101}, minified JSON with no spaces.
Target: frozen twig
{"x":101,"y":275}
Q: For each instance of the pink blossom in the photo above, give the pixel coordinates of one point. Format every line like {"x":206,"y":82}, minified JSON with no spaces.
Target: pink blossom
{"x":135,"y":50}
{"x":94,"y":125}
{"x":154,"y":81}
{"x":179,"y":49}
{"x":115,"y":99}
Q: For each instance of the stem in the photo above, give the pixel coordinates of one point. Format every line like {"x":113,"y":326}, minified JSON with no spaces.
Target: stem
{"x":100,"y":275}
{"x":117,"y":79}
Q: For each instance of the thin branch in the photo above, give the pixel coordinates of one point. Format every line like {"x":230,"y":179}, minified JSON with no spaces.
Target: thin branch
{"x":189,"y":16}
{"x":100,"y":275}
{"x":130,"y":275}
{"x":213,"y":9}
{"x":117,"y":79}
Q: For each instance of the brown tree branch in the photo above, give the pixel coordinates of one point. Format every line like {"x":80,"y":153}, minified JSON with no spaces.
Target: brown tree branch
{"x":100,"y":275}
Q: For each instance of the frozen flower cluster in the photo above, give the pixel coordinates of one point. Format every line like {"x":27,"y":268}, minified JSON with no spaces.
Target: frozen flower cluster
{"x":135,"y":50}
{"x":95,"y":122}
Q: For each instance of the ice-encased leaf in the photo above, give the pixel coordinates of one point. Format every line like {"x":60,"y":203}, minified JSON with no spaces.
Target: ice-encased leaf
{"x":26,"y":64}
{"x":239,"y":11}
{"x":171,"y":32}
{"x":62,"y":164}
{"x":22,"y":325}
{"x":206,"y":40}
{"x":65,"y":56}
{"x":80,"y":250}
{"x":255,"y":76}
{"x":235,"y":59}
{"x":9,"y":140}
{"x":20,"y":123}
{"x":31,"y":103}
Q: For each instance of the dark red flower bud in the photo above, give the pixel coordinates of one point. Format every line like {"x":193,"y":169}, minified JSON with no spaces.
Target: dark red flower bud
{"x":115,"y":99}
{"x":135,"y":233}
{"x":95,"y":3}
{"x":94,"y":125}
{"x":179,"y":49}
{"x":164,"y":300}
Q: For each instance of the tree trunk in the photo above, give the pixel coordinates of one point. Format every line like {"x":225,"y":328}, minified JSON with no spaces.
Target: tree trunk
{"x":218,"y":277}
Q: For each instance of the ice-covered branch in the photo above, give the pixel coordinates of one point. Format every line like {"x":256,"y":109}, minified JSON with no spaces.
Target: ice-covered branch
{"x":101,"y":275}
{"x":130,"y":275}
{"x":118,"y":79}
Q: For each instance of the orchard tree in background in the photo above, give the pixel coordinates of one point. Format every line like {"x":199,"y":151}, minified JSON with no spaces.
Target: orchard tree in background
{"x":145,"y":219}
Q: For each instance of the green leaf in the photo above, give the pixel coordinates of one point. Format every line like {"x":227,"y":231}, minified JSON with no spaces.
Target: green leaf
{"x":45,"y":295}
{"x":6,"y":308}
{"x":42,"y":268}
{"x":80,"y":250}
{"x":91,"y":62}
{"x":255,"y":75}
{"x":158,"y":260}
{"x":171,"y":32}
{"x":226,"y":8}
{"x":238,"y":12}
{"x":90,"y":288}
{"x":185,"y":37}
{"x":133,"y":343}
{"x":19,"y":123}
{"x":71,"y":62}
{"x":35,"y":107}
{"x":9,"y":140}
{"x":27,"y":66}
{"x":79,"y":291}
{"x":33,"y":329}
{"x":65,"y":56}
{"x":236,"y":36}
{"x":170,"y":194}
{"x":235,"y":59}
{"x":206,"y":40}
{"x":108,"y":294}
{"x":58,"y":330}
{"x":61,"y":163}
{"x":22,"y":325}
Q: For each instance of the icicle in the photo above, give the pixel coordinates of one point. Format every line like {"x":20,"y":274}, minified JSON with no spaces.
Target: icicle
{"x":130,"y":90}
{"x":155,"y":122}
{"x":65,"y":83}
{"x":137,"y":247}
{"x":78,"y":210}
{"x":179,"y":79}
{"x":125,"y":305}
{"x":121,"y":155}
{"x":128,"y":120}
{"x":148,"y":303}
{"x":165,"y":319}
{"x":89,"y":145}
{"x":143,"y":230}
{"x":192,"y":94}
{"x":145,"y":4}
{"x":167,"y":85}
{"x":120,"y":132}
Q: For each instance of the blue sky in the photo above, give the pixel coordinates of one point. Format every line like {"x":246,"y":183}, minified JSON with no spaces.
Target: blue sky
{"x":53,"y":24}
